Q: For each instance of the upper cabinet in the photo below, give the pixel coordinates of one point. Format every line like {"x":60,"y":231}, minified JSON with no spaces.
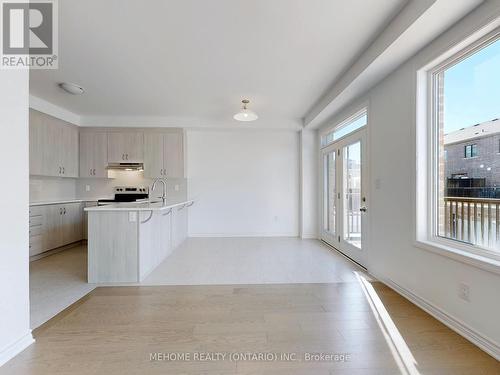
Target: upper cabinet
{"x":164,"y":154}
{"x":125,"y":147}
{"x":53,"y":146}
{"x":93,"y":154}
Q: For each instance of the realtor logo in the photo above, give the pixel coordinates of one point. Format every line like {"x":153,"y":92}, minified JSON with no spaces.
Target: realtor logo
{"x":29,"y":34}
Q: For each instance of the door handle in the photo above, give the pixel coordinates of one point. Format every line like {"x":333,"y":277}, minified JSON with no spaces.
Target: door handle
{"x":363,"y":209}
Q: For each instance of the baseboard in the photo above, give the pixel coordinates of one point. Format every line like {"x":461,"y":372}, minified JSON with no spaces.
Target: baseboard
{"x":309,"y":236}
{"x":485,"y":343}
{"x":15,"y":348}
{"x":236,"y":235}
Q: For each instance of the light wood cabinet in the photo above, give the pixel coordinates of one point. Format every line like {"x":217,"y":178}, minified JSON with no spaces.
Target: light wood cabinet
{"x":125,"y":147}
{"x":164,"y":155}
{"x":36,"y":141}
{"x":55,"y":225}
{"x":53,"y":146}
{"x":93,"y":154}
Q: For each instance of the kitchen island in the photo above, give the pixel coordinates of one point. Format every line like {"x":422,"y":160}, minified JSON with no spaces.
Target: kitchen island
{"x":126,"y":241}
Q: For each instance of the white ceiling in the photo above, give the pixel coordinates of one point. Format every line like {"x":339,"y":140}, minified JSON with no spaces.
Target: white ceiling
{"x":192,"y":61}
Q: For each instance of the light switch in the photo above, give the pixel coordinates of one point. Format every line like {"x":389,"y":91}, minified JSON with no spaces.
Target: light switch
{"x":87,"y":187}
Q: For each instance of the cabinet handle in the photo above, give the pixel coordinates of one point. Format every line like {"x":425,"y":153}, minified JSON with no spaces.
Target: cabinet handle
{"x":60,"y":211}
{"x":91,"y":172}
{"x":60,"y":170}
{"x":63,"y":170}
{"x":126,"y":156}
{"x":94,"y":172}
{"x":64,"y":210}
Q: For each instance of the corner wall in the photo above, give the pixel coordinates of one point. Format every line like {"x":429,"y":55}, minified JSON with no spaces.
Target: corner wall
{"x":15,"y":333}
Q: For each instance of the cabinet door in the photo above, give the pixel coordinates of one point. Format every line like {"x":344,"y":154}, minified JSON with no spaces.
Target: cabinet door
{"x":51,"y":138}
{"x":69,"y":149}
{"x":153,"y":155}
{"x":36,"y":143}
{"x":72,"y":223}
{"x":173,"y":155}
{"x":126,"y":147}
{"x":52,"y":235}
{"x":100,"y":152}
{"x":86,"y":154}
{"x":93,"y":154}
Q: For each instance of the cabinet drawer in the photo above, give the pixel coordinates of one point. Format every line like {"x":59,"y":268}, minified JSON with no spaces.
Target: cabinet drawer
{"x":36,"y":211}
{"x":36,"y":220}
{"x":36,"y":245}
{"x":36,"y":230}
{"x":36,"y":239}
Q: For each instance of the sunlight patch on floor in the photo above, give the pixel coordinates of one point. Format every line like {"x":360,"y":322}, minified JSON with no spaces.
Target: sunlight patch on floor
{"x":399,"y":349}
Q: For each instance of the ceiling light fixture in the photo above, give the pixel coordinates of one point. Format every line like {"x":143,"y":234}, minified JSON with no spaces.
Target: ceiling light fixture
{"x":71,"y":88}
{"x":245,"y":114}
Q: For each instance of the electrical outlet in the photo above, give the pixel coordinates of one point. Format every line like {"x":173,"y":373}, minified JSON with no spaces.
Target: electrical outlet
{"x":87,"y":187}
{"x":464,"y":292}
{"x":176,"y":187}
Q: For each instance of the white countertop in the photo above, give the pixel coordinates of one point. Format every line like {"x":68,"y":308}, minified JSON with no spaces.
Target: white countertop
{"x":62,"y":201}
{"x":144,"y":206}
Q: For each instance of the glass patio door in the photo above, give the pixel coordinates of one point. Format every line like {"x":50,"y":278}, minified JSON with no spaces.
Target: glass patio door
{"x":344,"y":200}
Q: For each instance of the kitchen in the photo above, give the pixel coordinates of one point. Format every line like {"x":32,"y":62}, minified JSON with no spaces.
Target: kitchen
{"x":78,"y":176}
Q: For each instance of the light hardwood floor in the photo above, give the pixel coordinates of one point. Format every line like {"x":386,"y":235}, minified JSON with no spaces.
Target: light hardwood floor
{"x":113,"y":330}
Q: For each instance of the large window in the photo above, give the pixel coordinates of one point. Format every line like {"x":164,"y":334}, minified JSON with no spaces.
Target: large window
{"x":463,"y":177}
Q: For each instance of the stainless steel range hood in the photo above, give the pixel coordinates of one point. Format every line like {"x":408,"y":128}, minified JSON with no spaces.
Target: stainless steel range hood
{"x":126,"y":166}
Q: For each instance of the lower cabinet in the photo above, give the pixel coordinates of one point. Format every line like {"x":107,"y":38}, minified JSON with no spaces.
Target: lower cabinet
{"x":55,"y":225}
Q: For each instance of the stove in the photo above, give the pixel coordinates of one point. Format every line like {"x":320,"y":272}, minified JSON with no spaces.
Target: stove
{"x":126,"y":194}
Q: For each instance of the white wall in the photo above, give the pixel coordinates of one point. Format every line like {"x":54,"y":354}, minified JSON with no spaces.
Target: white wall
{"x":245,"y":182}
{"x":392,"y":255}
{"x":15,"y":332}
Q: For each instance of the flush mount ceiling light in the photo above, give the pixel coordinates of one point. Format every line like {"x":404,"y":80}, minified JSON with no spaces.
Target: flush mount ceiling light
{"x":71,"y":88}
{"x":245,"y":114}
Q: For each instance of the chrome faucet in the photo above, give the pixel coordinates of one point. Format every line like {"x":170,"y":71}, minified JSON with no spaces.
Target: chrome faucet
{"x":164,"y":195}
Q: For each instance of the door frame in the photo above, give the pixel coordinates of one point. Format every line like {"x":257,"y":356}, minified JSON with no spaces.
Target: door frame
{"x":343,"y":246}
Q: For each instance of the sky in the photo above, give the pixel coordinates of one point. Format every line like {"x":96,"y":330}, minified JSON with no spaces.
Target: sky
{"x":472,"y":90}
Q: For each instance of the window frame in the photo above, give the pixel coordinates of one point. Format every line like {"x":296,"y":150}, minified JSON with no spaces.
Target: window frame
{"x":346,"y":122}
{"x":427,"y":156}
{"x":473,"y":151}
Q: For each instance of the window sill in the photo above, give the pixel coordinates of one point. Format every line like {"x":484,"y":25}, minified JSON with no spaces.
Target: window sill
{"x":485,"y":263}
